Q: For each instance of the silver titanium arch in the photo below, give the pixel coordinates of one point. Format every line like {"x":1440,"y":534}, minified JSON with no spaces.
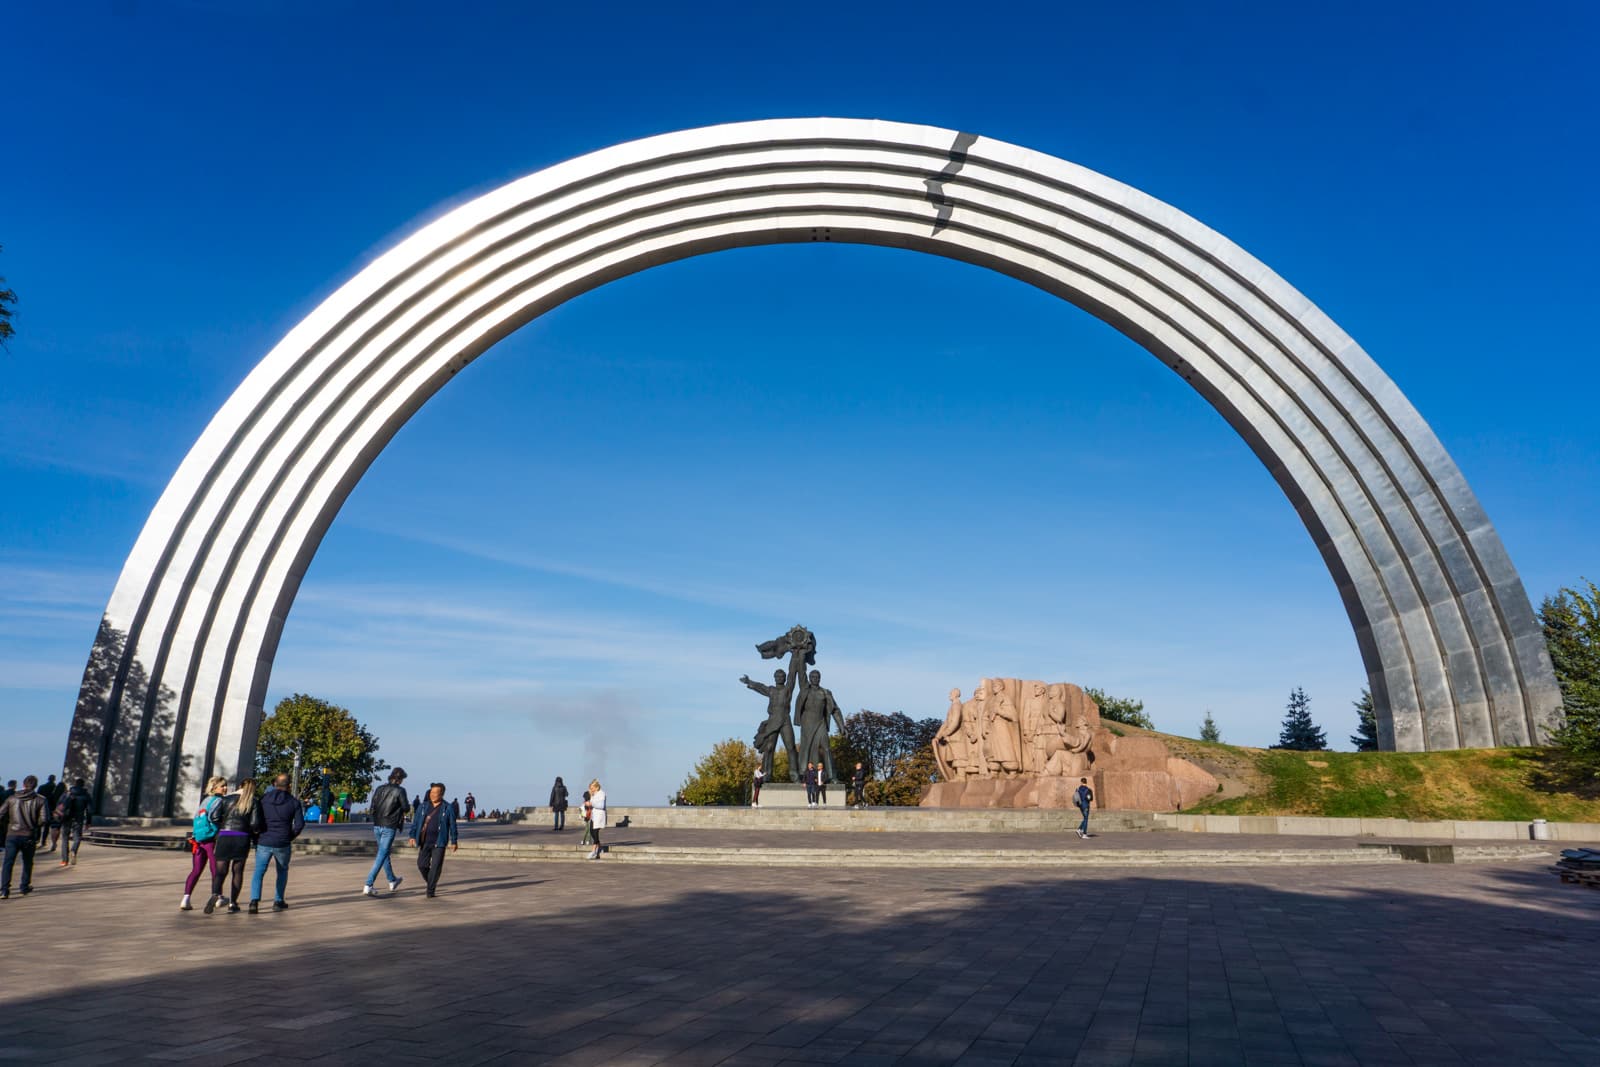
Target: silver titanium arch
{"x":175,"y":684}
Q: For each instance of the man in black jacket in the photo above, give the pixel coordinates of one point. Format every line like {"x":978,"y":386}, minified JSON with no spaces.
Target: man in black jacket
{"x":388,"y":817}
{"x":284,"y":820}
{"x":74,"y":809}
{"x":22,"y":819}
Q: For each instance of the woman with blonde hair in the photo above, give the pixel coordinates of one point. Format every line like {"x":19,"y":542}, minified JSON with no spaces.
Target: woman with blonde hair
{"x":239,"y":819}
{"x":597,"y":801}
{"x":204,"y":837}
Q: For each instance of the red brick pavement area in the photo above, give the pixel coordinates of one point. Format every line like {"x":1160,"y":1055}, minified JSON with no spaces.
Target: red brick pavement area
{"x":612,"y":964}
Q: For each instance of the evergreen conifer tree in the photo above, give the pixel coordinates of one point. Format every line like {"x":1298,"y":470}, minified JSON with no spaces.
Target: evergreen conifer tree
{"x":1366,"y":736}
{"x":1299,"y":732}
{"x":1571,"y":621}
{"x":1208,"y":729}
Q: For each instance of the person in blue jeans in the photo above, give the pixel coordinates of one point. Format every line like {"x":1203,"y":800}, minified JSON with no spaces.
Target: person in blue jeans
{"x":284,"y":821}
{"x":1084,"y":796}
{"x":388,"y":817}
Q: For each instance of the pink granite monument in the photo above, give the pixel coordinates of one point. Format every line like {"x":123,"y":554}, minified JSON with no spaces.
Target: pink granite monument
{"x":1020,"y":744}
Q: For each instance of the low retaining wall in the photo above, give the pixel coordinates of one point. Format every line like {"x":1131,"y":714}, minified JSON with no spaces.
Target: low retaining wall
{"x":1311,"y":826}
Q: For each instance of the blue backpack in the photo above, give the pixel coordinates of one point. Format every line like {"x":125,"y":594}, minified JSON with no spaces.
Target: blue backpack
{"x":204,"y":828}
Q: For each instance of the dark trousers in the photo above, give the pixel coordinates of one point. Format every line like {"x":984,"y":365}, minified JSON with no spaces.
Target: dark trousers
{"x":71,"y":839}
{"x":15,"y":846}
{"x":811,"y":793}
{"x":561,"y":819}
{"x":1083,"y":827}
{"x":430,"y":861}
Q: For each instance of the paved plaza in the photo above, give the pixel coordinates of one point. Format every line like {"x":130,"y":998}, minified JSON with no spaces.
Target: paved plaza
{"x":606,"y":963}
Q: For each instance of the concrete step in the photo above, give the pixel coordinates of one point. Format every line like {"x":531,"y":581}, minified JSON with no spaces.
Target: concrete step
{"x":1087,"y":855}
{"x":867,"y":820}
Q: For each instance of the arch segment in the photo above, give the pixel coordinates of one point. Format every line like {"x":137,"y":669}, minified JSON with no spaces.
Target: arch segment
{"x":176,"y":680}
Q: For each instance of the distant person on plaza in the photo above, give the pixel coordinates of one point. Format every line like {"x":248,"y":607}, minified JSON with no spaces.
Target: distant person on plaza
{"x":472,"y":807}
{"x":23,"y":818}
{"x":73,"y":813}
{"x":416,"y":803}
{"x":1083,"y":796}
{"x":558,"y":805}
{"x":282,"y":822}
{"x":822,"y":784}
{"x":755,"y":787}
{"x":238,"y":819}
{"x":858,"y":783}
{"x":10,"y":787}
{"x":205,"y":838}
{"x":432,"y":828}
{"x":588,"y":820}
{"x":51,"y":792}
{"x":597,"y":815}
{"x":325,"y":797}
{"x":388,"y":819}
{"x":810,"y":779}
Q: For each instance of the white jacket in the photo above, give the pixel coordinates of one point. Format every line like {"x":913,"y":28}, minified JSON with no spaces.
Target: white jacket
{"x":597,"y":801}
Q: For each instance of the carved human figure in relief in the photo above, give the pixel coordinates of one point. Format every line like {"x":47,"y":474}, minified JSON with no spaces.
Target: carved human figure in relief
{"x":973,"y":717}
{"x":1072,"y":758}
{"x":950,"y":744}
{"x":1000,"y":737}
{"x":1039,"y":735}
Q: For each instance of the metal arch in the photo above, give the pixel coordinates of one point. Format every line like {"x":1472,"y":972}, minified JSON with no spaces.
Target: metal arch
{"x":175,"y":683}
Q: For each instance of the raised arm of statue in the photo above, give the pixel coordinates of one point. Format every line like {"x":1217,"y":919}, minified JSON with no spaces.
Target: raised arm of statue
{"x":764,"y":690}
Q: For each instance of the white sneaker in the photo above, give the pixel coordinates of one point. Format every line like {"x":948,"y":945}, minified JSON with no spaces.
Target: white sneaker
{"x":394,"y":885}
{"x":366,"y":891}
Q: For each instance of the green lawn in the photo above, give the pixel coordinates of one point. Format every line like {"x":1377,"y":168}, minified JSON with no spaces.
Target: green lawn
{"x":1496,"y":783}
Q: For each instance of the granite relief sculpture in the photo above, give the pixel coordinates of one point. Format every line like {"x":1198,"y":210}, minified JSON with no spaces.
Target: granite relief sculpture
{"x":1025,"y":744}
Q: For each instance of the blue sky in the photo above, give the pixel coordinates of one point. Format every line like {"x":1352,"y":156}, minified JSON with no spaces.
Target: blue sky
{"x":567,"y":555}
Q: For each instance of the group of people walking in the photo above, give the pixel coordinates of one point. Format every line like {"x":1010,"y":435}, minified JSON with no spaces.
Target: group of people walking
{"x":32,"y":815}
{"x":593,"y":810}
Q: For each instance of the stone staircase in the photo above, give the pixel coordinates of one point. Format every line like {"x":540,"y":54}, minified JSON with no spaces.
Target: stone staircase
{"x":870,"y":820}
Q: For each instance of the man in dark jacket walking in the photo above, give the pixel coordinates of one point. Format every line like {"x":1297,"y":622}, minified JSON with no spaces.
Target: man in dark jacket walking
{"x":74,"y":816}
{"x":433,"y":827}
{"x":285,"y":820}
{"x":23,"y":818}
{"x":858,"y":783}
{"x":558,"y":804}
{"x":388,"y":816}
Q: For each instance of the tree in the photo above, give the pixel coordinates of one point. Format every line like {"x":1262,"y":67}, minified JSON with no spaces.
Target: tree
{"x":879,"y":740}
{"x":1208,"y":729}
{"x":908,"y":779}
{"x":1299,"y":732}
{"x":8,"y":297}
{"x":723,"y":776}
{"x":1121,"y":709}
{"x":1366,"y":736}
{"x":325,"y":735}
{"x":1571,"y":621}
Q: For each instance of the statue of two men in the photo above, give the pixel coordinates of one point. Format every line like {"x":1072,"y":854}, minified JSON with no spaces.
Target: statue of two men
{"x":811,"y":713}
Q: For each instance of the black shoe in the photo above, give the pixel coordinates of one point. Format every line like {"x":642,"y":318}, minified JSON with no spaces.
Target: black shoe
{"x":233,"y":908}
{"x":278,"y":905}
{"x":430,"y":894}
{"x":255,"y":907}
{"x":28,"y":890}
{"x":6,"y":895}
{"x":211,"y":903}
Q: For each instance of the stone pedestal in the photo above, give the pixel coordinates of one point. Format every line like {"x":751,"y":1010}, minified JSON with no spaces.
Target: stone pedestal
{"x":793,"y":795}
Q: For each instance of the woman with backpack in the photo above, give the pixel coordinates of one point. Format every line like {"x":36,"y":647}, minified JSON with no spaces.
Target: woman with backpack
{"x":238,"y":819}
{"x":203,"y":838}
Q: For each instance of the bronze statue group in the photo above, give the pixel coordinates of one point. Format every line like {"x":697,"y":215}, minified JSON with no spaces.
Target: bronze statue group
{"x":812,"y":712}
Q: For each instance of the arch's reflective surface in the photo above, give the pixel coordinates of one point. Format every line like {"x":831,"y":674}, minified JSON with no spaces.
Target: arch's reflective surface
{"x":174,"y":687}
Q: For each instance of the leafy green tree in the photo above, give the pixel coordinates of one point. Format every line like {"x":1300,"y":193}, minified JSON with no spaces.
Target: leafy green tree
{"x":8,"y":298}
{"x":1208,"y":729}
{"x":1366,"y":736}
{"x":325,"y":735}
{"x":1299,"y":732}
{"x":1571,"y":621}
{"x":1121,"y":709}
{"x":723,"y":775}
{"x":908,"y":779}
{"x":879,"y":740}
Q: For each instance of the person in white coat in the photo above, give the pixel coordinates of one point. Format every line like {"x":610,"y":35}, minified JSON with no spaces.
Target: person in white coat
{"x":597,"y":801}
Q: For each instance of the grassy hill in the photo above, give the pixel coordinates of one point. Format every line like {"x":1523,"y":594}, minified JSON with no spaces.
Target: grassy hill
{"x":1490,"y":783}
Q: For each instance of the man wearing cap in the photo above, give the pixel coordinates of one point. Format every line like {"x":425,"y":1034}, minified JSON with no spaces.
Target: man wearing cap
{"x":388,"y":816}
